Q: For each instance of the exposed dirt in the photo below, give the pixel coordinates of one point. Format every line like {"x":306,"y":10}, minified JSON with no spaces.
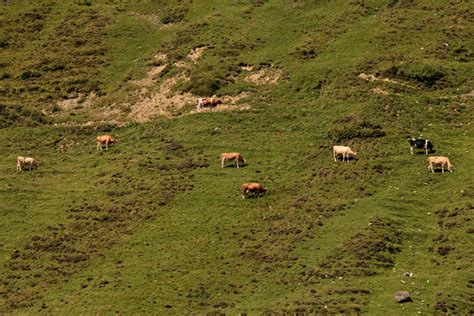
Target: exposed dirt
{"x":169,"y":102}
{"x":150,"y":18}
{"x":264,"y":76}
{"x":368,"y":77}
{"x":81,"y":101}
{"x":380,"y":91}
{"x":247,"y":67}
{"x":164,"y":102}
{"x":151,"y":77}
{"x":196,"y":53}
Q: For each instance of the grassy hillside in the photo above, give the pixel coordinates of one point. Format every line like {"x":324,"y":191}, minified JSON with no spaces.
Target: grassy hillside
{"x":154,"y":225}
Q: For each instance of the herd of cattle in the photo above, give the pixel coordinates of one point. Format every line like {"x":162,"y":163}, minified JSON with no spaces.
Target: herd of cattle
{"x":256,"y":189}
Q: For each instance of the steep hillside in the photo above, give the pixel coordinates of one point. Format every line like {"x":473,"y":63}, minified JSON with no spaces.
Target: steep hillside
{"x":155,"y":225}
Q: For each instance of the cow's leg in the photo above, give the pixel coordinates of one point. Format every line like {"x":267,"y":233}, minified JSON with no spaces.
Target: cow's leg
{"x":222,"y":162}
{"x":106,"y":145}
{"x":237,"y":163}
{"x":99,"y":146}
{"x":18,"y":166}
{"x":411,"y":149}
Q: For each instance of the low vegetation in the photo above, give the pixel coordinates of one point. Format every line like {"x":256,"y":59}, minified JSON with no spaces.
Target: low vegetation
{"x":155,"y":225}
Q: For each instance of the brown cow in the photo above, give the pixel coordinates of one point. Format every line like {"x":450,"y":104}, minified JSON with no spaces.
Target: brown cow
{"x":255,"y":188}
{"x":104,"y":139}
{"x":344,"y":151}
{"x":439,"y":161}
{"x":210,"y":102}
{"x":236,"y":157}
{"x":21,"y":161}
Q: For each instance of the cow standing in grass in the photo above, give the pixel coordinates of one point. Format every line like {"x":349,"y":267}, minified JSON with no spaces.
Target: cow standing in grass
{"x":22,"y":161}
{"x":344,"y":151}
{"x":104,"y":139}
{"x":256,"y":189}
{"x":420,"y":144}
{"x":210,"y":102}
{"x":236,"y":157}
{"x":441,"y":161}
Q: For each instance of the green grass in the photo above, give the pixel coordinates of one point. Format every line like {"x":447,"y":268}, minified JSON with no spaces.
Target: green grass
{"x":154,"y":225}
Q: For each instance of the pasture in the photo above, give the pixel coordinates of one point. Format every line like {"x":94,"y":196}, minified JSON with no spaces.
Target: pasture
{"x":155,"y":225}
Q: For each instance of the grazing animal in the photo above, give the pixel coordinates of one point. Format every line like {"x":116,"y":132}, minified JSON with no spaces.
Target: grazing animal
{"x":345,"y":151}
{"x":236,"y":157}
{"x":420,"y":144}
{"x":437,"y":161}
{"x":104,"y":139}
{"x":21,"y":161}
{"x":210,"y":102}
{"x":255,"y":188}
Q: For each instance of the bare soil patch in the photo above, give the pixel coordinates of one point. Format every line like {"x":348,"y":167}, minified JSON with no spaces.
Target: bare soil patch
{"x":164,"y":102}
{"x":81,"y":101}
{"x":369,"y":77}
{"x":196,"y":53}
{"x":264,"y":76}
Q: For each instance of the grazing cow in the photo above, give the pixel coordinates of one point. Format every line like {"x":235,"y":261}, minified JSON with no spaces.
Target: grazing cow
{"x":420,"y":144}
{"x":437,"y":161}
{"x":104,"y":139}
{"x":236,"y":157}
{"x":255,"y":188}
{"x":21,"y":161}
{"x":210,"y":102}
{"x":345,"y":151}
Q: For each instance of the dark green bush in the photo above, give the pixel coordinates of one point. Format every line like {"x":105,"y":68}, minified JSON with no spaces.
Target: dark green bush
{"x":348,"y":131}
{"x":28,"y":74}
{"x":202,"y":86}
{"x":173,"y":15}
{"x":400,"y":3}
{"x":20,"y":115}
{"x":424,"y":73}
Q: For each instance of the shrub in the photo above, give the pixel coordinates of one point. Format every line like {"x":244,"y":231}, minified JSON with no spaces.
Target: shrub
{"x":424,"y":73}
{"x":400,"y":3}
{"x":202,"y":86}
{"x":173,"y":15}
{"x":28,"y":74}
{"x":350,"y":131}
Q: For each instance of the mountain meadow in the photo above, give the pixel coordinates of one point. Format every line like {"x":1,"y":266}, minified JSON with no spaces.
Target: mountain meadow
{"x":154,"y":225}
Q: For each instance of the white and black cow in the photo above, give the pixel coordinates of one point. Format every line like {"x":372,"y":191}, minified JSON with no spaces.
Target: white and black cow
{"x":419,"y":143}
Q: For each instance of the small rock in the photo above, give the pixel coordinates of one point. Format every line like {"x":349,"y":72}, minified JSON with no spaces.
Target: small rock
{"x":402,"y":297}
